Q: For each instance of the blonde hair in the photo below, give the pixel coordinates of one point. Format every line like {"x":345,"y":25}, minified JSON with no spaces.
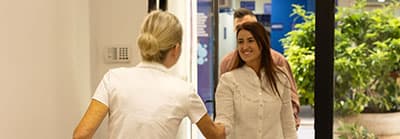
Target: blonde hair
{"x":160,"y":32}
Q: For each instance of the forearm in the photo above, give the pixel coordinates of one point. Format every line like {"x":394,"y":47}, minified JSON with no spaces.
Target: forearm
{"x":91,"y":120}
{"x":85,"y":129}
{"x":210,"y":129}
{"x":210,"y":133}
{"x":217,"y":132}
{"x":81,"y":134}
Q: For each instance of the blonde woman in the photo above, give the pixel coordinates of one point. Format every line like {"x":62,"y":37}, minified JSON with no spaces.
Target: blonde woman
{"x":145,"y":102}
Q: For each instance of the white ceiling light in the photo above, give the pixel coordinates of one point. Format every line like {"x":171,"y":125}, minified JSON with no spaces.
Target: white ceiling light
{"x":381,"y":0}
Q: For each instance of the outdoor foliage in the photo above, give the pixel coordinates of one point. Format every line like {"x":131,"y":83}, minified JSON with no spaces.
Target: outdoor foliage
{"x":367,"y":57}
{"x":353,"y":131}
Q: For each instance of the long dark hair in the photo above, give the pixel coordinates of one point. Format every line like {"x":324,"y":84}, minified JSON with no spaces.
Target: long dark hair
{"x":262,"y":38}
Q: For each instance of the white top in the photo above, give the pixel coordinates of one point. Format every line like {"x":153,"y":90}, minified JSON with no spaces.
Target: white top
{"x":250,"y":110}
{"x":146,"y":102}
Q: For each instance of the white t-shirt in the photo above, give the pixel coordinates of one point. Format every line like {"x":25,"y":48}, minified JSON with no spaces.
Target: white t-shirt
{"x":146,"y":102}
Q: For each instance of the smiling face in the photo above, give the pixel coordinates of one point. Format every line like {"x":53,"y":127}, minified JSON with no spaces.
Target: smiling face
{"x":249,"y":51}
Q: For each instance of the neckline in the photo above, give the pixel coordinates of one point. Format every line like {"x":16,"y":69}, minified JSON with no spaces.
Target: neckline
{"x":152,"y":65}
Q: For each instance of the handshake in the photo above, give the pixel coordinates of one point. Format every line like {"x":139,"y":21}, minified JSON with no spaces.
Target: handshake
{"x":220,"y":127}
{"x":210,"y":129}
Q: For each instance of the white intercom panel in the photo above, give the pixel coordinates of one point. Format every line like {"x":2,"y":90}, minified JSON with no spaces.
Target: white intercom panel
{"x":117,"y":54}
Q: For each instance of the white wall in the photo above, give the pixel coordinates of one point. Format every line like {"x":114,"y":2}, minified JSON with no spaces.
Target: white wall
{"x":52,"y":60}
{"x":113,"y":22}
{"x":45,"y":67}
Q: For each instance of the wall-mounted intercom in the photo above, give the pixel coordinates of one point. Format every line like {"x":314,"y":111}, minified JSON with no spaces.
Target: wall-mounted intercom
{"x":120,"y":54}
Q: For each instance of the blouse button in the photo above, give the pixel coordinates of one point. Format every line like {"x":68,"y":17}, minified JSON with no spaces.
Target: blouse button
{"x":260,"y":93}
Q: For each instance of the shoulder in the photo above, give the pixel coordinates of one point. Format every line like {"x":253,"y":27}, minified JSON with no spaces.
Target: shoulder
{"x":114,"y":72}
{"x":231,"y":76}
{"x":181,"y":83}
{"x":228,"y":57}
{"x":121,"y":72}
{"x":228,"y":62}
{"x":278,"y":58}
{"x":276,"y":54}
{"x":118,"y":70}
{"x":178,"y":84}
{"x":282,"y":74}
{"x":233,"y":72}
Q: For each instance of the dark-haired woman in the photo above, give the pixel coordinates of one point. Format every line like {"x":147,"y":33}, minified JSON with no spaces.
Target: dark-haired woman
{"x":253,"y":100}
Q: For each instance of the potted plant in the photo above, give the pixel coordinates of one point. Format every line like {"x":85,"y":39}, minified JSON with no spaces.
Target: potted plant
{"x":366,"y":62}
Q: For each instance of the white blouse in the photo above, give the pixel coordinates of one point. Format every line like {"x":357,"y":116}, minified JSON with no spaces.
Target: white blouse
{"x":251,"y":110}
{"x":146,"y":102}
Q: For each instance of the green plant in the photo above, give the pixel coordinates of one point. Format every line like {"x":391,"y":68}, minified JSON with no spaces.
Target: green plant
{"x":367,"y":51}
{"x":300,"y":46}
{"x":353,"y":131}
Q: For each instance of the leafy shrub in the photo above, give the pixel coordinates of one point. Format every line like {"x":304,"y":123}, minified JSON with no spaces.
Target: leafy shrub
{"x":367,"y":53}
{"x":353,"y":131}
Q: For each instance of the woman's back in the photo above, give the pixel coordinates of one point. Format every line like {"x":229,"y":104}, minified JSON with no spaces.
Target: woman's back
{"x":147,"y":102}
